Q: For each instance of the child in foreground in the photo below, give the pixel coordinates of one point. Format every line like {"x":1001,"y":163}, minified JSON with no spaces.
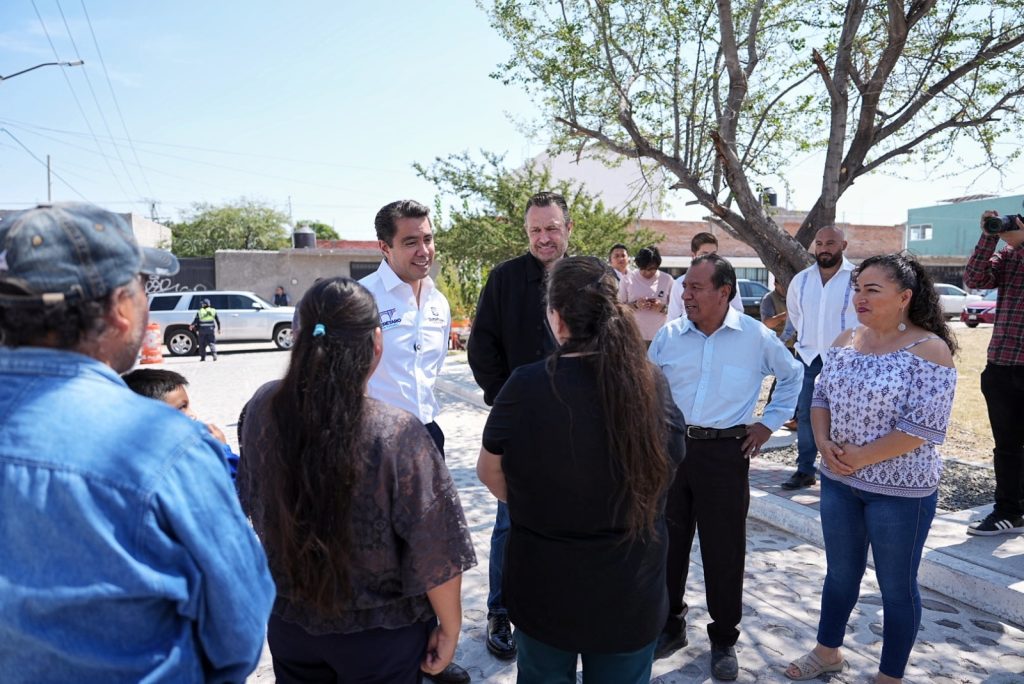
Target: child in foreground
{"x":169,"y":387}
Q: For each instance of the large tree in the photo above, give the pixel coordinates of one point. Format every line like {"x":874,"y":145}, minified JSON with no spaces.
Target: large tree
{"x":486,"y":226}
{"x":242,"y":224}
{"x":722,"y":93}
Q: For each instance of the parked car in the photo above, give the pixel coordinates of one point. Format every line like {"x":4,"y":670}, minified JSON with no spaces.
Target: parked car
{"x":954,"y":299}
{"x":983,"y":311}
{"x":751,"y":292}
{"x":244,"y":316}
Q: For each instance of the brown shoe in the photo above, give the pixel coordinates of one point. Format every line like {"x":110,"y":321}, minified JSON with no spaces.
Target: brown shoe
{"x":790,"y":424}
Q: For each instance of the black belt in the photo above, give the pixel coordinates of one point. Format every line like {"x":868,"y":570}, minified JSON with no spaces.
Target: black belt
{"x":698,"y":432}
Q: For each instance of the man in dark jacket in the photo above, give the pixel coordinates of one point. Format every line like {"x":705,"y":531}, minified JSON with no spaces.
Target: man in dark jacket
{"x":511,"y":330}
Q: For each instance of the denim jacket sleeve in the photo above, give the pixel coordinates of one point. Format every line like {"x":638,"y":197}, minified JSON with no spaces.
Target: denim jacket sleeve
{"x":197,"y":531}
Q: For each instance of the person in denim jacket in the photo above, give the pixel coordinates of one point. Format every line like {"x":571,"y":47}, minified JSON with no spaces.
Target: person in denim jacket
{"x":126,"y":556}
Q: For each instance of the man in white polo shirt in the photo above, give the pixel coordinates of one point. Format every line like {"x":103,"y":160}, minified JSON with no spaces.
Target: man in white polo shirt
{"x":819,"y":303}
{"x":416,"y":321}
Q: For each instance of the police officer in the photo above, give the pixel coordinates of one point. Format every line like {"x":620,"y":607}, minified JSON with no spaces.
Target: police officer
{"x":204,"y":323}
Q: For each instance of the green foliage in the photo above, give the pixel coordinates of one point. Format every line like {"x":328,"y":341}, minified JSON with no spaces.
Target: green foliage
{"x":487,"y":225}
{"x":242,"y":224}
{"x":322,"y":230}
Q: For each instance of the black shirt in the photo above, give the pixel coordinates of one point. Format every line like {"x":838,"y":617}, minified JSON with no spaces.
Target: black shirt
{"x":572,"y":579}
{"x":510,"y":328}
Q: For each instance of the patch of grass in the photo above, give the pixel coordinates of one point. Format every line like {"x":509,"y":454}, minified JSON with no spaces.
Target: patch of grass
{"x":969,"y":436}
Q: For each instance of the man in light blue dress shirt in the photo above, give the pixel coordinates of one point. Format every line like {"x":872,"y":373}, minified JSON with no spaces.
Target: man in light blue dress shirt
{"x":715,"y":360}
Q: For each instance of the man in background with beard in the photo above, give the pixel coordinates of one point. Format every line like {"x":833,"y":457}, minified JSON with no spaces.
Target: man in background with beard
{"x":820,"y":306}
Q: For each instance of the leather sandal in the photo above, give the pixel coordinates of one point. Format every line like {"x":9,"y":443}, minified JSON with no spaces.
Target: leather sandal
{"x":811,"y":666}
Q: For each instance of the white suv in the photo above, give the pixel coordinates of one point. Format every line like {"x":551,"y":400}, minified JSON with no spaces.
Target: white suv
{"x":244,"y":316}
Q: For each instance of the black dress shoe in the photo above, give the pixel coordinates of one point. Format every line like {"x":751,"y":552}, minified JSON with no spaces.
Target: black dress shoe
{"x":499,"y":636}
{"x":724,"y":666}
{"x":453,"y":674}
{"x":672,"y":637}
{"x":799,"y":481}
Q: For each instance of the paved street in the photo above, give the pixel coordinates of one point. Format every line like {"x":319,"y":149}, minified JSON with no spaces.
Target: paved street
{"x":957,"y":643}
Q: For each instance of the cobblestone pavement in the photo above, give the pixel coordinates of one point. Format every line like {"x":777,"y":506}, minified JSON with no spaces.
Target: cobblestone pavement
{"x":957,"y":643}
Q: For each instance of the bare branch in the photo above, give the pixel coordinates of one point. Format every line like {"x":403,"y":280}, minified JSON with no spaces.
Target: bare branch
{"x":767,"y":110}
{"x":984,"y":55}
{"x":826,"y":76}
{"x":956,"y":121}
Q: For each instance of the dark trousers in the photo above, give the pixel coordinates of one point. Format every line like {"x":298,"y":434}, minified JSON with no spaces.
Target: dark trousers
{"x":539,"y":663}
{"x":806,"y":449}
{"x":710,"y":495}
{"x":207,"y":338}
{"x":373,"y":656}
{"x":437,"y":435}
{"x":1003,"y":387}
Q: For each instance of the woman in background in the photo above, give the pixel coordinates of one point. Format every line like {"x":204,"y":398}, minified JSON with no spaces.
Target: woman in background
{"x":880,"y":408}
{"x":358,"y":514}
{"x":647,"y":290}
{"x":583,"y":447}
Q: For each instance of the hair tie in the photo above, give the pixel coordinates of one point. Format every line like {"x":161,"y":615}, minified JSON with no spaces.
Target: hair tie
{"x":319,"y":330}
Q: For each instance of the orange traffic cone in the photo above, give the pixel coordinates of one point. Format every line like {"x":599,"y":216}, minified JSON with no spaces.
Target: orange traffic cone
{"x":151,"y":345}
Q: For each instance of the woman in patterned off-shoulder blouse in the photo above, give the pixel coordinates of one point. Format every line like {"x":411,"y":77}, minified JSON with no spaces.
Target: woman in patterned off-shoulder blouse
{"x":359,"y":516}
{"x":880,"y":409}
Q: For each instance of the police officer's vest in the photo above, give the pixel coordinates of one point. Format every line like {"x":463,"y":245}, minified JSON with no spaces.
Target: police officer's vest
{"x":207,"y":315}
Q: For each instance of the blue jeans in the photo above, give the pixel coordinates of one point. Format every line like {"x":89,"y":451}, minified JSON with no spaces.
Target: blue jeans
{"x":496,"y":561}
{"x":807,"y":450}
{"x":539,"y":663}
{"x":895,"y":527}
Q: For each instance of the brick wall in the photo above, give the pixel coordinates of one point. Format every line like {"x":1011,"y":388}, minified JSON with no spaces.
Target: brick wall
{"x":864,"y":240}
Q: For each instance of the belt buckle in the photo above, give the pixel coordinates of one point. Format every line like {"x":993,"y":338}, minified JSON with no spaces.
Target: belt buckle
{"x":696,"y":432}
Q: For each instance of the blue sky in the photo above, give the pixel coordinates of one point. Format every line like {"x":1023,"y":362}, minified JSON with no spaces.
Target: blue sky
{"x":327,"y":103}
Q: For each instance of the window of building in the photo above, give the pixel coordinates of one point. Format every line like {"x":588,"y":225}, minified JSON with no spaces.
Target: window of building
{"x":921,"y":232}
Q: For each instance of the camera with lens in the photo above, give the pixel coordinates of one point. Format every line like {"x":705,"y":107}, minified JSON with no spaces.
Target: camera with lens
{"x":993,"y":225}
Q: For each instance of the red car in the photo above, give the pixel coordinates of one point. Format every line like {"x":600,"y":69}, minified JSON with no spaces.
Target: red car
{"x":980,"y":312}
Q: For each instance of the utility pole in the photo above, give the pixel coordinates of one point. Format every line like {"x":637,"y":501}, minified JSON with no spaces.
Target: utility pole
{"x":290,"y":209}
{"x":49,"y":181}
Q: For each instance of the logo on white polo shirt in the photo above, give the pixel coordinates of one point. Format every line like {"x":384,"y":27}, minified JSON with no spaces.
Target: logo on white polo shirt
{"x":435,"y":314}
{"x":387,"y":319}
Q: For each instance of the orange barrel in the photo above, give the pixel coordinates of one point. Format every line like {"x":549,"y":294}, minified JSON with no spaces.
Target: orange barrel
{"x":151,"y":345}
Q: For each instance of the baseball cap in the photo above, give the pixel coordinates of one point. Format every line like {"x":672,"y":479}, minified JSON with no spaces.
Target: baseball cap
{"x":72,"y":251}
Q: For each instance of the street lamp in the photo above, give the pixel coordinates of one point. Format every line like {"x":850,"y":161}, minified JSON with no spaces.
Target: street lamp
{"x":19,"y":73}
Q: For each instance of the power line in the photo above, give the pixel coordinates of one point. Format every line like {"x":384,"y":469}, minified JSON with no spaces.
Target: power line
{"x":75,"y":96}
{"x":96,"y":100}
{"x":308,"y":162}
{"x":223,"y":166}
{"x":117,"y":105}
{"x":34,"y":156}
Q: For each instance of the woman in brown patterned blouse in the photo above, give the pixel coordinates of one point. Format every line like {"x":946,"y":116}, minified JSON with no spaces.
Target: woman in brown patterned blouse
{"x":358,"y":514}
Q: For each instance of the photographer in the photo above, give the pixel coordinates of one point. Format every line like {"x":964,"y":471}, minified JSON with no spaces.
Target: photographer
{"x":1002,"y":381}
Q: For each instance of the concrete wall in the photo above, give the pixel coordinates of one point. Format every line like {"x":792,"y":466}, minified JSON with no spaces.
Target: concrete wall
{"x":955,"y":225}
{"x":148,"y":233}
{"x":293,"y":269}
